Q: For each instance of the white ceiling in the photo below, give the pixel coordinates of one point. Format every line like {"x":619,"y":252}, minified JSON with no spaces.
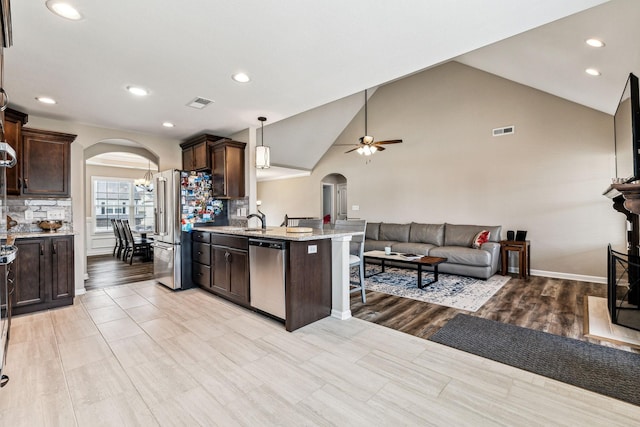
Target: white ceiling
{"x":300,"y":54}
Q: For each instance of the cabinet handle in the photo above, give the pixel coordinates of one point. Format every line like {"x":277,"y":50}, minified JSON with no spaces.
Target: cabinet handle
{"x":41,"y":249}
{"x":227,"y":255}
{"x":26,"y":181}
{"x":54,"y":249}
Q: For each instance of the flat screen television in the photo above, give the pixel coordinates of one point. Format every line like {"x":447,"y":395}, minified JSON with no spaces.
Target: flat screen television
{"x":627,"y":132}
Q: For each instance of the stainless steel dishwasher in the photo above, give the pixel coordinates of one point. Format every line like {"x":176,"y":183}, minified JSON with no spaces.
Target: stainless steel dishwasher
{"x":267,"y":260}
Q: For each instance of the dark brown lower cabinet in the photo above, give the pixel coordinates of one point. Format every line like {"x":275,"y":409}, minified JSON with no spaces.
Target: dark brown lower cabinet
{"x":43,"y":274}
{"x":230,"y":273}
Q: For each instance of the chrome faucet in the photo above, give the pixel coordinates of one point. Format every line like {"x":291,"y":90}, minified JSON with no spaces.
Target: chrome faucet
{"x":261,"y":216}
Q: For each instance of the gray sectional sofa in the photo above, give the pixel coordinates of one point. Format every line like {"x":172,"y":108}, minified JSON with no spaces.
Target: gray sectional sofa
{"x":451,"y":241}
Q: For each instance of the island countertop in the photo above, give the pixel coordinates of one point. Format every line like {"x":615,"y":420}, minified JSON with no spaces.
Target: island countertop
{"x":279,"y":233}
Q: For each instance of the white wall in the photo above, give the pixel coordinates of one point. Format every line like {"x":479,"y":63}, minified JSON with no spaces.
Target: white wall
{"x":167,"y":150}
{"x":547,"y":178}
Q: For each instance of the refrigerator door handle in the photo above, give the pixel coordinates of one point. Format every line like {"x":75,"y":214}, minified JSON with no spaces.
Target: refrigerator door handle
{"x":160,"y":214}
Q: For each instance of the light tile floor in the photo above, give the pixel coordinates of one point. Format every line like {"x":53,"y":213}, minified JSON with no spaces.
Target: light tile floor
{"x":142,"y":355}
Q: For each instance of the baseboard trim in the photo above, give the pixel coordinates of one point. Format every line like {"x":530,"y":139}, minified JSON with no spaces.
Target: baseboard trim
{"x":342,"y":315}
{"x":565,"y":276}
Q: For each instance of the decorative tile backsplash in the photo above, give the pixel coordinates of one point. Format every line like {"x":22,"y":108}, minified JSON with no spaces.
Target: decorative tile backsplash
{"x":27,"y":211}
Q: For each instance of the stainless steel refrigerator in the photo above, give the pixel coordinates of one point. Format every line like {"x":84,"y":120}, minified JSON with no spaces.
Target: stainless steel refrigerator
{"x":182,"y":200}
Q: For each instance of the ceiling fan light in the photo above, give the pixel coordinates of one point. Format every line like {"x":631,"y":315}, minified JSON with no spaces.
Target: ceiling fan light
{"x":373,"y":149}
{"x":360,"y":150}
{"x":367,"y":139}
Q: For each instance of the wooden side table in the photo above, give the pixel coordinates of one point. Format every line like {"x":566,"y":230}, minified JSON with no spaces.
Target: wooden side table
{"x":524,"y":256}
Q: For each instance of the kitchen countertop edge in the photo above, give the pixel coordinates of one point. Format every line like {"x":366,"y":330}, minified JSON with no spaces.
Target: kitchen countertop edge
{"x":279,"y":233}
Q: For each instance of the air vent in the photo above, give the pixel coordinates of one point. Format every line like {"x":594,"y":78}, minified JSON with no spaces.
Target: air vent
{"x":507,"y":130}
{"x":199,"y":103}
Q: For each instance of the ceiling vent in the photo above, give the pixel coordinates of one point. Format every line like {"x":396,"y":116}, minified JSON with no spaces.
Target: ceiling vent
{"x":199,"y":102}
{"x":507,"y":130}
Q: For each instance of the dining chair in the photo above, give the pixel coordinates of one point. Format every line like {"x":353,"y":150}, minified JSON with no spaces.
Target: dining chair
{"x":119,"y":246}
{"x":356,"y":251}
{"x":135,"y":246}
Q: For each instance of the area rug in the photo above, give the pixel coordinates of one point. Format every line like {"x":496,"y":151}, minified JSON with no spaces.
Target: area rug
{"x":464,"y":293}
{"x":600,"y":369}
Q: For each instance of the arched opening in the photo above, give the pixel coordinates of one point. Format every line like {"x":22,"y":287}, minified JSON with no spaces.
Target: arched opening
{"x":334,"y":197}
{"x":114,"y":171}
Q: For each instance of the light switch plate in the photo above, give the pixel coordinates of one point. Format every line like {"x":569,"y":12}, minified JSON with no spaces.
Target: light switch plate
{"x":28,"y":215}
{"x":355,"y":207}
{"x":312,"y":249}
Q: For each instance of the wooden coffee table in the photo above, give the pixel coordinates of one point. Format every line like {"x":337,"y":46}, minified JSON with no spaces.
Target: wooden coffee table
{"x":429,"y":261}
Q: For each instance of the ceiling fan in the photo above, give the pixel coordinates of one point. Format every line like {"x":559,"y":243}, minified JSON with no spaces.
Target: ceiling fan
{"x":367,"y":146}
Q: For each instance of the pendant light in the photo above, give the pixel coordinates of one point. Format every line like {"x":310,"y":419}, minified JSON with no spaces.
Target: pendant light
{"x":145,"y":183}
{"x":263,"y":160}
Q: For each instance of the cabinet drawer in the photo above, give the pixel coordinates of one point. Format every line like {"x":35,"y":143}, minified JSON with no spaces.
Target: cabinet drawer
{"x":235,"y":242}
{"x":201,"y":252}
{"x":201,"y":236}
{"x":201,"y":274}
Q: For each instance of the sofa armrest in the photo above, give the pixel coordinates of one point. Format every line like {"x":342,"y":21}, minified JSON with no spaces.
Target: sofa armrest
{"x":494,"y":249}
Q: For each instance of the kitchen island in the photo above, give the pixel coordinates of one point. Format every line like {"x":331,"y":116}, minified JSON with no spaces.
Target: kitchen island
{"x":316,"y":269}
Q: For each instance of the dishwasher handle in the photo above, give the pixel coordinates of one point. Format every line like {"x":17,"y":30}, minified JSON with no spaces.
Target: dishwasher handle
{"x":269,"y":244}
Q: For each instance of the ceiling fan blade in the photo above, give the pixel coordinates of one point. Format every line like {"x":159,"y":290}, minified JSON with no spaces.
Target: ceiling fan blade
{"x":353,"y":149}
{"x":391,"y":141}
{"x":379,"y":148}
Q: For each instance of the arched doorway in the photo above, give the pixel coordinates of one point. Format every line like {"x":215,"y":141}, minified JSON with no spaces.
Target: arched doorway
{"x":116,"y":164}
{"x":334,"y":197}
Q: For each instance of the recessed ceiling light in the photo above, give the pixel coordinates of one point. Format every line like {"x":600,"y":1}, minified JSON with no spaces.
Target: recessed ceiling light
{"x":63,"y":9}
{"x":241,"y":78}
{"x":594,"y":42}
{"x":45,"y":100}
{"x":168,"y":124}
{"x":592,"y":72}
{"x":138,"y":91}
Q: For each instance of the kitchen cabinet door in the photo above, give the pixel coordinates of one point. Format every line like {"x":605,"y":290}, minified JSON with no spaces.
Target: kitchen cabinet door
{"x":46,"y":158}
{"x":62,"y":281}
{"x":13,"y":122}
{"x":227,"y":165}
{"x":230,"y":273}
{"x":29,"y":273}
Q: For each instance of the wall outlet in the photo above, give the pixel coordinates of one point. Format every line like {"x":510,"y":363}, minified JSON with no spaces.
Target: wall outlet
{"x":55,"y":214}
{"x":28,"y":215}
{"x":312,"y":249}
{"x":243,"y":211}
{"x":355,"y":207}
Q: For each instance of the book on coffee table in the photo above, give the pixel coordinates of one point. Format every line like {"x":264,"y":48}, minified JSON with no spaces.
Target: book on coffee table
{"x":411,"y":256}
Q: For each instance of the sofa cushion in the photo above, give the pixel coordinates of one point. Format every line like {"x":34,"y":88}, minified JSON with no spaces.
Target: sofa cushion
{"x":463,"y":235}
{"x":395,"y":232}
{"x":461,"y":255}
{"x":412,"y":248}
{"x":373,"y":231}
{"x":427,"y":233}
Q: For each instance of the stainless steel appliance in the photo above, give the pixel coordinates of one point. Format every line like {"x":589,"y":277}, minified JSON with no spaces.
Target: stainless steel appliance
{"x":182,"y":200}
{"x":166,"y":235}
{"x":267,"y":262}
{"x":8,"y":253}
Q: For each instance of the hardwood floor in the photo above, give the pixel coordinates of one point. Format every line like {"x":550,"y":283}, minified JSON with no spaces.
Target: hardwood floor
{"x":551,"y":305}
{"x":106,"y":270}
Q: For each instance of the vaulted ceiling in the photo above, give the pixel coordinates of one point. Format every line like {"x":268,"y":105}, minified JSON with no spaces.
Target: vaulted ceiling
{"x":308,"y":61}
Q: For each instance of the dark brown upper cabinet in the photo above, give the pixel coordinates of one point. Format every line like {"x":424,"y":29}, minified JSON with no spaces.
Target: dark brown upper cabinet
{"x":195,"y":152}
{"x":45,"y":160}
{"x":227,"y":167}
{"x":13,"y":122}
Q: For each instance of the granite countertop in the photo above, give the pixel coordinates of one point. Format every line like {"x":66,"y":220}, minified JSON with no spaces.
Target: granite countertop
{"x":279,"y":233}
{"x":28,"y":234}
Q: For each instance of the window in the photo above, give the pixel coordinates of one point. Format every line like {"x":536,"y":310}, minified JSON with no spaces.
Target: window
{"x":117,"y":198}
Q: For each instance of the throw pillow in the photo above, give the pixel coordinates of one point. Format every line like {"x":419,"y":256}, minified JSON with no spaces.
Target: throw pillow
{"x":481,"y":237}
